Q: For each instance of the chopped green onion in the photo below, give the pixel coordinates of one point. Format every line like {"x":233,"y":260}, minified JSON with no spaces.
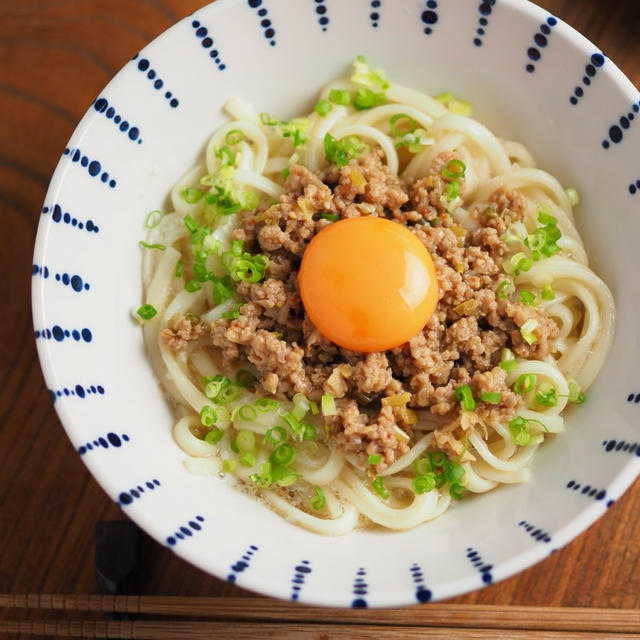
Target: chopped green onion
{"x":146,"y":245}
{"x":544,"y":216}
{"x":297,"y":429}
{"x":244,"y":377}
{"x":248,"y":459}
{"x":575,"y":393}
{"x":366,"y":99}
{"x":423,"y":483}
{"x":527,"y":297}
{"x":179,"y":268}
{"x":574,"y":197}
{"x":310,"y":432}
{"x":318,"y":500}
{"x":234,"y":313}
{"x":456,"y":491}
{"x":191,"y":194}
{"x":338,"y":96}
{"x":314,"y":408}
{"x":454,"y":105}
{"x":454,"y":169}
{"x":379,"y":488}
{"x":322,"y":107}
{"x":395,"y":131}
{"x":287,"y":478}
{"x":524,"y":383}
{"x":192,"y":285}
{"x":503,"y":289}
{"x":208,"y":415}
{"x":547,"y":293}
{"x":285,"y":173}
{"x":276,"y":435}
{"x":153,"y":219}
{"x":519,"y":431}
{"x":363,"y":74}
{"x":340,"y":152}
{"x":452,"y":190}
{"x":464,"y":395}
{"x":422,"y":466}
{"x":225,"y":155}
{"x":491,"y":397}
{"x":546,"y":395}
{"x":265,"y":118}
{"x":526,"y":331}
{"x":227,"y":394}
{"x":214,"y":436}
{"x":213,"y":386}
{"x":229,"y":465}
{"x":328,"y":405}
{"x":234,"y":137}
{"x":247,"y":412}
{"x":245,"y":440}
{"x":453,"y":471}
{"x":437,"y":458}
{"x":332,"y":217}
{"x":146,"y":311}
{"x":283,"y":454}
{"x":190,"y":223}
{"x":374,"y":458}
{"x":266,"y":405}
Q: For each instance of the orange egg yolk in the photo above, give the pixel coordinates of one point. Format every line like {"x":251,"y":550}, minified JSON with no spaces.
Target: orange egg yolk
{"x":367,"y":284}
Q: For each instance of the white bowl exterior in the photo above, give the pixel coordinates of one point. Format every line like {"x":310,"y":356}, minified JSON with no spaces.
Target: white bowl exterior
{"x":111,"y":392}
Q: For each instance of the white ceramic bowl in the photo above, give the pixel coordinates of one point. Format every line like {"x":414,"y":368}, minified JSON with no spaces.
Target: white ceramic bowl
{"x":531,"y":78}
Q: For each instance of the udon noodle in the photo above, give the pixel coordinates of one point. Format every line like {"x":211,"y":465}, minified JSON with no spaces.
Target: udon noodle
{"x":320,"y":485}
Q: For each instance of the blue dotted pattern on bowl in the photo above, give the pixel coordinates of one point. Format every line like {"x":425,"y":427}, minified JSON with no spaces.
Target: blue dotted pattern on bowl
{"x":301,"y":571}
{"x":57,"y":215}
{"x":127,"y":497}
{"x":59,"y":334}
{"x":144,"y":66}
{"x":242,"y":564}
{"x":588,"y":491}
{"x":186,"y":531}
{"x":360,"y":589}
{"x":484,"y":569}
{"x":77,"y":391}
{"x":536,"y":533}
{"x":374,"y":16}
{"x":101,"y":105}
{"x":93,"y":167}
{"x":596,"y":61}
{"x":622,"y":446}
{"x":265,"y":22}
{"x":422,"y":593}
{"x":110,"y":440}
{"x":540,"y":41}
{"x":202,"y":33}
{"x":484,"y":9}
{"x":321,"y":12}
{"x":616,"y":131}
{"x":68,"y":280}
{"x":429,"y":16}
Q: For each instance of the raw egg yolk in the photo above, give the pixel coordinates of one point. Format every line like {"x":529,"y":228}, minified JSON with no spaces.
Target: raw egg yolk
{"x":367,"y":284}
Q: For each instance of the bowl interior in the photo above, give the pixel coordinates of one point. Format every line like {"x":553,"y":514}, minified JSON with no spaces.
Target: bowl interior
{"x":87,"y":265}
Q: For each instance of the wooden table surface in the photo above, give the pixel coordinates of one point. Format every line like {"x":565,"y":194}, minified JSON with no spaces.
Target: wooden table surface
{"x":55,"y":57}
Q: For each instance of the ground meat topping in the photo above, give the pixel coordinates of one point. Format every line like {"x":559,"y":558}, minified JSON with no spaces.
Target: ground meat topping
{"x":181,"y":331}
{"x":460,"y":344}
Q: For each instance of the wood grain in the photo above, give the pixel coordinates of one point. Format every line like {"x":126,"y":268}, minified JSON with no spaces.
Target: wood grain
{"x":55,"y":57}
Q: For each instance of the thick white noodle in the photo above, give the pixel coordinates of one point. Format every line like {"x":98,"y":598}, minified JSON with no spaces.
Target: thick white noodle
{"x":583,"y":309}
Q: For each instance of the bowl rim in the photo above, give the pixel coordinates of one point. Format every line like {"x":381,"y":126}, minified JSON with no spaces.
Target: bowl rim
{"x":255,"y":581}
